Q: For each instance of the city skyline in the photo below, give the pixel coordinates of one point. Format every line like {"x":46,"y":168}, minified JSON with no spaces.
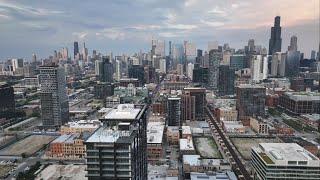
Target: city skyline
{"x":42,"y":27}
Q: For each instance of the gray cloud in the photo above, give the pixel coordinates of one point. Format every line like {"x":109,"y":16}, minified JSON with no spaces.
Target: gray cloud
{"x":128,"y":25}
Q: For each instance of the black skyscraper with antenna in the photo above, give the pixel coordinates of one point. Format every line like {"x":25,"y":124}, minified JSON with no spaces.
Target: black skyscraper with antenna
{"x":275,"y":39}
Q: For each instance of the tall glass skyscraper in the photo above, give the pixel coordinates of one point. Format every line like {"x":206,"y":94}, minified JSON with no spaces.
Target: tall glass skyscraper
{"x":275,"y":39}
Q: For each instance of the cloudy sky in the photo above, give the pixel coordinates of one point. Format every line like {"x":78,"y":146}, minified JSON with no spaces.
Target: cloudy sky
{"x":127,"y":26}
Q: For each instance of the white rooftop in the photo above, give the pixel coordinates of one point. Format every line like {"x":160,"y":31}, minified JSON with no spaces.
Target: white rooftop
{"x":155,"y":132}
{"x":304,"y":96}
{"x":186,"y":144}
{"x":250,"y":86}
{"x":104,"y":110}
{"x":186,"y":130}
{"x":123,"y":111}
{"x":227,"y":175}
{"x":232,"y":124}
{"x":84,"y":124}
{"x":287,"y":153}
{"x":173,"y":129}
{"x":107,"y":135}
{"x":192,"y":160}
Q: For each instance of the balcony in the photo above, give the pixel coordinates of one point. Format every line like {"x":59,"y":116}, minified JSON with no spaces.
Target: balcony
{"x":107,"y":157}
{"x":93,"y":157}
{"x":92,"y":162}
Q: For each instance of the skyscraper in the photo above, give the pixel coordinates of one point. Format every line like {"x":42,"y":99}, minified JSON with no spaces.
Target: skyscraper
{"x":104,"y":70}
{"x":200,"y":101}
{"x":238,"y":61}
{"x":53,"y":96}
{"x":7,"y":103}
{"x":251,"y":46}
{"x":174,"y":111}
{"x":215,"y":56}
{"x":159,"y":47}
{"x":200,"y":75}
{"x":226,"y":80}
{"x":259,"y":67}
{"x":275,"y":39}
{"x":188,"y":105}
{"x":85,"y":52}
{"x":118,"y":149}
{"x":170,"y":49}
{"x":75,"y":49}
{"x":17,"y":63}
{"x":293,"y":44}
{"x":137,"y":71}
{"x":250,"y":101}
{"x":278,"y":64}
{"x":292,"y":63}
{"x":34,"y":57}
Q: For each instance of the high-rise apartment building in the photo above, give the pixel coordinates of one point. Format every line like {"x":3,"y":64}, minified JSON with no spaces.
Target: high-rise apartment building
{"x":7,"y":103}
{"x":163,"y":65}
{"x":292,"y":63}
{"x":200,"y":75}
{"x":215,"y":56}
{"x":259,"y":67}
{"x":278,"y":64}
{"x":284,"y":161}
{"x":16,"y":64}
{"x":104,"y":70}
{"x":250,"y":101}
{"x":174,"y":111}
{"x":275,"y":39}
{"x":226,"y":80}
{"x":190,"y":68}
{"x":200,"y":100}
{"x":188,"y":107}
{"x":53,"y":96}
{"x":137,"y":71}
{"x":237,"y":61}
{"x":117,"y":150}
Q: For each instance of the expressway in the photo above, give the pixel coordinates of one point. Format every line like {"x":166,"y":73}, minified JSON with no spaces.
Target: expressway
{"x":234,"y":159}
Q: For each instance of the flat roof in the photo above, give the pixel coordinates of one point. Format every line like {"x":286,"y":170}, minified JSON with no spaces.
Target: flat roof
{"x":66,"y":138}
{"x":250,"y":86}
{"x":155,"y":132}
{"x":106,"y":134}
{"x":303,"y":96}
{"x":174,"y":98}
{"x":192,"y":160}
{"x":186,"y":144}
{"x":84,"y":124}
{"x":173,"y":128}
{"x":104,"y":110}
{"x":286,"y":154}
{"x":227,"y":175}
{"x":186,"y":130}
{"x":195,"y":88}
{"x":123,"y":111}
